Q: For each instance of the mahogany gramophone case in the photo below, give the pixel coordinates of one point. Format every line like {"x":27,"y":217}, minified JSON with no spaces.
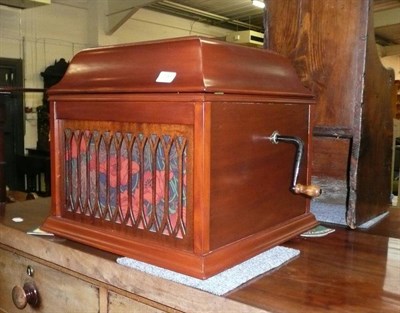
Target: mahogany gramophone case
{"x":191,"y":154}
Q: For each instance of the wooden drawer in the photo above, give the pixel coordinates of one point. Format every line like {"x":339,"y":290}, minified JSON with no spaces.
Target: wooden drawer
{"x":118,"y":303}
{"x":58,"y":292}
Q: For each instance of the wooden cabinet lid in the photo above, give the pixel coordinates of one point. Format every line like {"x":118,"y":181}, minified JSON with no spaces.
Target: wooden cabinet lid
{"x":187,"y":64}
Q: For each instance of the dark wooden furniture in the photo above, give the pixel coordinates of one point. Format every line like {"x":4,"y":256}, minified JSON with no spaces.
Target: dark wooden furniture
{"x":169,"y":158}
{"x":11,"y":76}
{"x":332,"y":46}
{"x":34,"y":167}
{"x":397,"y":98}
{"x":3,"y":193}
{"x":6,"y":92}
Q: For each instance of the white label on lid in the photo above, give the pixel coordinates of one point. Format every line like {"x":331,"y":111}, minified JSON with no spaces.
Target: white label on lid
{"x":166,"y":77}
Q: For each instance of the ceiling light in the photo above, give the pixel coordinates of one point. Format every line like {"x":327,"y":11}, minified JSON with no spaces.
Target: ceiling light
{"x":259,"y":3}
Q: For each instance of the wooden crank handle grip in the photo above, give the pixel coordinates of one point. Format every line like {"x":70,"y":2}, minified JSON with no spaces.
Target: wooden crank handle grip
{"x":310,"y":190}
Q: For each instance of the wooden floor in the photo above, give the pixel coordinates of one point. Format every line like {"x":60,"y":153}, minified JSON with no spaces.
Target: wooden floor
{"x":345,"y":271}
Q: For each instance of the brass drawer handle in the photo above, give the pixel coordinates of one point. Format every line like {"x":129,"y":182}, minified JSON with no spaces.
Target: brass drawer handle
{"x":27,"y":294}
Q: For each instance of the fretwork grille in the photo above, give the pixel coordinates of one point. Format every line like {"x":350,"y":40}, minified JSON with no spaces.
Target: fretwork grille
{"x":129,"y":179}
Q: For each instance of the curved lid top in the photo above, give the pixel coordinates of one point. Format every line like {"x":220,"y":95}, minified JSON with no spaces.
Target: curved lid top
{"x":187,"y":64}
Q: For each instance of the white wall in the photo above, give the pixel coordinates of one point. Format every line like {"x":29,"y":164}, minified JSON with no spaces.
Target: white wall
{"x":149,"y":25}
{"x":394,"y":63}
{"x":42,"y":35}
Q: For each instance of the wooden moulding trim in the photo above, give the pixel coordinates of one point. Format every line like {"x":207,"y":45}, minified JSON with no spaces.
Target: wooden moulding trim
{"x":201,"y":178}
{"x":327,"y":131}
{"x":200,"y":266}
{"x":142,"y":250}
{"x":56,"y":155}
{"x":182,"y":97}
{"x":252,"y":245}
{"x":140,"y":112}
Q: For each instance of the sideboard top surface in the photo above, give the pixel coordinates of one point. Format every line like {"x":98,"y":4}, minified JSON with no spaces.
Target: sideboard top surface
{"x":323,"y":264}
{"x":88,"y":262}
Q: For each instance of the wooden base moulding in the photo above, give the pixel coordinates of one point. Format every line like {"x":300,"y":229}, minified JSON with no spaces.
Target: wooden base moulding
{"x":200,"y":266}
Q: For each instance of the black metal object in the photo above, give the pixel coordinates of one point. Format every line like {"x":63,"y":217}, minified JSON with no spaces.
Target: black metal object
{"x":276,"y":138}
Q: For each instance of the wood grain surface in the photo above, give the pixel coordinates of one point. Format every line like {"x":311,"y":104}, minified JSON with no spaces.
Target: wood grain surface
{"x":332,"y":46}
{"x":346,"y":271}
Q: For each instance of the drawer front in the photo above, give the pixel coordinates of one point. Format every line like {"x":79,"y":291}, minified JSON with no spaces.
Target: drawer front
{"x":58,"y":292}
{"x":118,"y":304}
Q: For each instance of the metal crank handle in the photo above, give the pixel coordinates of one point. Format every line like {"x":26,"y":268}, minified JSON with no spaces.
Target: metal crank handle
{"x":308,"y":190}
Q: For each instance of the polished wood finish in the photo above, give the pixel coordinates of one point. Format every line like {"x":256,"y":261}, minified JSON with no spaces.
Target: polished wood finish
{"x":346,"y":271}
{"x":331,"y":44}
{"x":311,"y":191}
{"x":248,"y":193}
{"x":238,"y":200}
{"x":388,"y":227}
{"x":200,"y":65}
